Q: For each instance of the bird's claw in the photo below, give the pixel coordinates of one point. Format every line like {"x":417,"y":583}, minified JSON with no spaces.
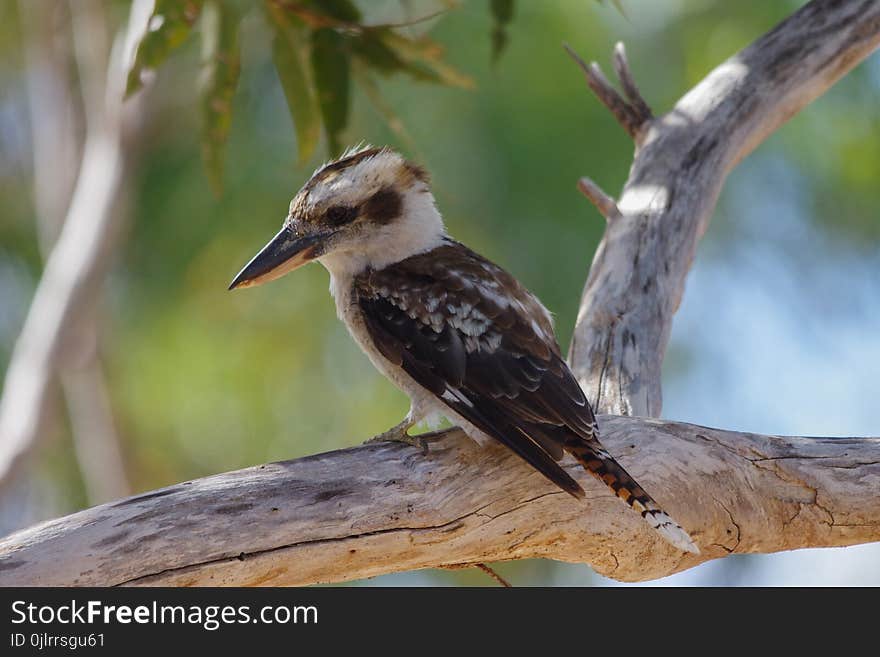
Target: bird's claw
{"x":400,"y":435}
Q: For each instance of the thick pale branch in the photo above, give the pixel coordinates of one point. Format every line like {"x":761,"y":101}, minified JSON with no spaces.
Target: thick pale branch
{"x":682,"y":158}
{"x":53,"y":132}
{"x":382,"y":508}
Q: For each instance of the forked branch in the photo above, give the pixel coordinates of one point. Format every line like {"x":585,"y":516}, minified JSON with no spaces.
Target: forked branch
{"x":682,"y":159}
{"x":633,"y":95}
{"x":633,"y":112}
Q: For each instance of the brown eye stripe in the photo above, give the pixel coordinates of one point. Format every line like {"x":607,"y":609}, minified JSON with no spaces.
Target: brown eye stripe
{"x":382,"y":208}
{"x":384,"y":205}
{"x":417,"y":172}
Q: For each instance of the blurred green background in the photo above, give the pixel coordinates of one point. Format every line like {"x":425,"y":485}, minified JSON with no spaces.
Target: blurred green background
{"x":203,"y":381}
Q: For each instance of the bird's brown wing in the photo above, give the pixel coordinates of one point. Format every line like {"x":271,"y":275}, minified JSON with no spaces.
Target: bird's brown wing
{"x":472,"y":335}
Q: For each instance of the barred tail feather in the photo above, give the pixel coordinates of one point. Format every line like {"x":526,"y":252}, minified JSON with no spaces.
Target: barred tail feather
{"x":670,"y":530}
{"x":602,"y":465}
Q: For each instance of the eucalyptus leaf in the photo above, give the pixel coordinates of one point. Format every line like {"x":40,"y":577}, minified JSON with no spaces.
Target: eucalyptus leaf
{"x":371,"y":90}
{"x":373,"y":51}
{"x":502,"y":14}
{"x":331,"y":63}
{"x":221,"y":67}
{"x":289,"y":54}
{"x":423,"y":59}
{"x":168,"y":27}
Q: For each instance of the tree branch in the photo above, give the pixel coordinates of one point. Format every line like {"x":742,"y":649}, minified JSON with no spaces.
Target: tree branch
{"x":606,"y":205}
{"x":625,"y":113}
{"x":633,"y":95}
{"x":384,"y":508}
{"x":682,"y":159}
{"x":75,"y":265}
{"x":56,"y":150}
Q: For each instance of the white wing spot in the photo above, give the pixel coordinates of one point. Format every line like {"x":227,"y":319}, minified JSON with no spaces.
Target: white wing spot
{"x":449,"y":396}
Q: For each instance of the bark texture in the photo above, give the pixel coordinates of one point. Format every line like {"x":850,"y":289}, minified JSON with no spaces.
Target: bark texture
{"x":383,"y":508}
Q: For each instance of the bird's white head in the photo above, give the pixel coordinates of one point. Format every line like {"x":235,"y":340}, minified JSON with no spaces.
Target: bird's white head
{"x":367,"y":209}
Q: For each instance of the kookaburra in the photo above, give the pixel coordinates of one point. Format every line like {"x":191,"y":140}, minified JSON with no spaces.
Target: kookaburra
{"x":458,"y":334}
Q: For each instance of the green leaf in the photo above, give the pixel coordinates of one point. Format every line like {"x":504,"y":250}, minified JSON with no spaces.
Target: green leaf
{"x":502,"y":14}
{"x":423,"y":59}
{"x":290,"y":58}
{"x":168,"y":27}
{"x":221,"y":66}
{"x":385,"y":51}
{"x":368,"y":85}
{"x":373,"y":51}
{"x":330,"y":66}
{"x":502,"y":11}
{"x":499,"y":42}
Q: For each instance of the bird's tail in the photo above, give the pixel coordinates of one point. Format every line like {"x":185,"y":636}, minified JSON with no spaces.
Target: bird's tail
{"x":600,"y":463}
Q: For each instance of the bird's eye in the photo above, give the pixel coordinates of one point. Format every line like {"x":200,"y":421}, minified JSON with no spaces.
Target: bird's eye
{"x":340,"y":214}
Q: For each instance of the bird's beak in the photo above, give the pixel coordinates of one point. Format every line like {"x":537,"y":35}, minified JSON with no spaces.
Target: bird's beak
{"x":284,"y":253}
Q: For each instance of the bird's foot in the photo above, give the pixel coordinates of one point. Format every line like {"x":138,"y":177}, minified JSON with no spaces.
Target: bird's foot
{"x":399,"y":434}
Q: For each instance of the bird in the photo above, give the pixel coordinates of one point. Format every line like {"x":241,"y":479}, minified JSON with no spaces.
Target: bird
{"x":458,"y":334}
